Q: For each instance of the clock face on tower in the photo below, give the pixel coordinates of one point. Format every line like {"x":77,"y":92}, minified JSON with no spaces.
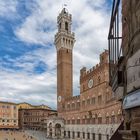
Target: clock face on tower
{"x":59,"y":98}
{"x":90,"y":83}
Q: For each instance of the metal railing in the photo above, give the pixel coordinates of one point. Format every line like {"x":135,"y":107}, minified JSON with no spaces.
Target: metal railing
{"x":114,"y":41}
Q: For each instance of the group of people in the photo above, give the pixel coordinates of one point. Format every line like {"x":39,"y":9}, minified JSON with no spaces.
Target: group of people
{"x":15,"y":135}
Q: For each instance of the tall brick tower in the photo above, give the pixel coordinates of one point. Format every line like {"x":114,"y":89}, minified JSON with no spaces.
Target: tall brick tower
{"x":64,"y":42}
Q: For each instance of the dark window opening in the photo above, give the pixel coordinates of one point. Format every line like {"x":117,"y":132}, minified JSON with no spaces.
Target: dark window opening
{"x":93,"y":100}
{"x":107,"y":137}
{"x":100,"y":120}
{"x":83,"y":103}
{"x":64,"y":133}
{"x":73,"y":135}
{"x":107,"y":120}
{"x":88,"y":135}
{"x":59,"y":26}
{"x":78,"y":134}
{"x":88,"y":120}
{"x":73,"y":121}
{"x":100,"y":137}
{"x":66,"y":26}
{"x":93,"y":136}
{"x":69,"y":134}
{"x":78,"y":121}
{"x":83,"y":135}
{"x":99,"y":99}
{"x":88,"y":101}
{"x":93,"y":120}
{"x":83,"y":121}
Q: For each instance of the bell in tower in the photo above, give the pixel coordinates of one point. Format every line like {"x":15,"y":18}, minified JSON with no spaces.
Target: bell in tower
{"x":64,"y":37}
{"x":64,"y":42}
{"x":65,"y":24}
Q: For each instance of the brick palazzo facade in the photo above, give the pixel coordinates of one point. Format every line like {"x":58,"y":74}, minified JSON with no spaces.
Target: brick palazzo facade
{"x":34,"y":117}
{"x":94,"y":114}
{"x":8,"y":115}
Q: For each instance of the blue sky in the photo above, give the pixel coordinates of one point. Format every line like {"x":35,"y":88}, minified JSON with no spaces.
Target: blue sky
{"x":27,"y":52}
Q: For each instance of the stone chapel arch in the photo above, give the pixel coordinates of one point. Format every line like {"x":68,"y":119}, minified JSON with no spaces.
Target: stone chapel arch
{"x":58,"y":130}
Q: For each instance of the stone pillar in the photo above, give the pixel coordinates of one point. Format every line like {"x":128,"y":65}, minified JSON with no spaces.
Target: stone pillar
{"x":53,"y":132}
{"x":62,"y":132}
{"x":90,"y":136}
{"x":71,"y":133}
{"x":66,"y":134}
{"x":96,"y":136}
{"x":81,"y":135}
{"x":76,"y":134}
{"x":47,"y":133}
{"x":104,"y":137}
{"x":86,"y":136}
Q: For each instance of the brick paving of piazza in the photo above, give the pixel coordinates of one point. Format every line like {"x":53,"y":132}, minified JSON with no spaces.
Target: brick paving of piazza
{"x":15,"y":135}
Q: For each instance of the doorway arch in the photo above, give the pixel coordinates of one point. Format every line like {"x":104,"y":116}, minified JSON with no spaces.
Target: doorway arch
{"x":58,"y":130}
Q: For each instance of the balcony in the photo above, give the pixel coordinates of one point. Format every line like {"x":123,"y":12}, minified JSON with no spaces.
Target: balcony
{"x":116,"y":75}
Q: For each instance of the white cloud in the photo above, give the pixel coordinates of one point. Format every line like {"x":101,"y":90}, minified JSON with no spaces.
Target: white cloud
{"x":8,"y":8}
{"x":26,"y":85}
{"x":90,"y":24}
{"x":36,"y":89}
